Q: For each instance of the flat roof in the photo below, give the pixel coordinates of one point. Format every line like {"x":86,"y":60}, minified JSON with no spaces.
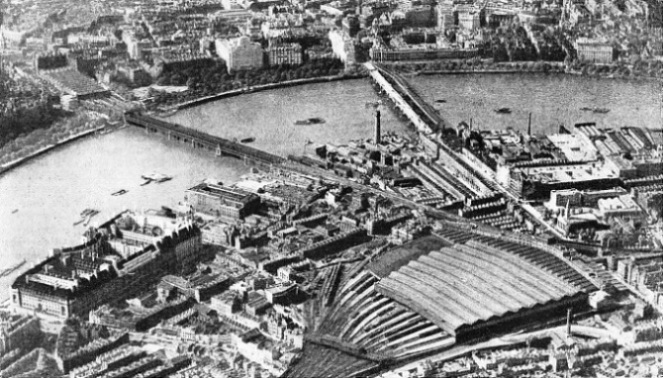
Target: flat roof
{"x":224,"y":192}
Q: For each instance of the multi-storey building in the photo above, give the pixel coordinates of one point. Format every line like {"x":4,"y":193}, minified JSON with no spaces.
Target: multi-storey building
{"x":285,"y":54}
{"x":469,"y":20}
{"x":594,"y":51}
{"x":115,"y":262}
{"x":239,"y":53}
{"x":223,"y":202}
{"x":445,"y":14}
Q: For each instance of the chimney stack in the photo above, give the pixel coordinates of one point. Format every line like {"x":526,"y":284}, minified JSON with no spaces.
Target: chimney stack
{"x":376,"y":129}
{"x":529,"y":126}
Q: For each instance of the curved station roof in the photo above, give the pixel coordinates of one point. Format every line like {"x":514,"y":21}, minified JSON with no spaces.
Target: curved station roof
{"x":464,"y":285}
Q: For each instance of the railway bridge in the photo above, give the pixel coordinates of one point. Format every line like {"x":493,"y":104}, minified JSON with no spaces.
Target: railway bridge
{"x":198,"y":139}
{"x":421,"y":114}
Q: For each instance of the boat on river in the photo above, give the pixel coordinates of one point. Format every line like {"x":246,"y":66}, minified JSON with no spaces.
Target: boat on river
{"x":595,"y":110}
{"x":248,"y":140}
{"x":503,"y":111}
{"x":14,"y":268}
{"x":89,"y":211}
{"x":441,"y":101}
{"x":86,"y":216}
{"x":310,"y":121}
{"x":119,"y":192}
{"x":156,"y":177}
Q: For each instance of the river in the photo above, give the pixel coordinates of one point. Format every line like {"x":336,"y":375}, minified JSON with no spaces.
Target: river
{"x":552,"y":99}
{"x":49,"y":192}
{"x":270,"y":116}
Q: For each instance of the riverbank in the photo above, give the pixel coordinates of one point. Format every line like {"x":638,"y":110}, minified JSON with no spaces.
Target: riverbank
{"x":259,"y":88}
{"x":483,"y":72}
{"x":18,"y":162}
{"x":607,"y":71}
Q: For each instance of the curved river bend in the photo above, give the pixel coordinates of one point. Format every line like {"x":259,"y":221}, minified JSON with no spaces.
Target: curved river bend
{"x":50,"y":192}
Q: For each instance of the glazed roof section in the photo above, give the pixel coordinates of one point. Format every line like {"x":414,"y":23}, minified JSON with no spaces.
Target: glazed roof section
{"x":463,"y":285}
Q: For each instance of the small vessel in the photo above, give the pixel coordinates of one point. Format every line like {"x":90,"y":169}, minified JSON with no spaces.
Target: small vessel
{"x":119,"y":192}
{"x":147,"y":181}
{"x":248,"y":140}
{"x":595,"y":110}
{"x":14,"y":211}
{"x":310,"y":121}
{"x":503,"y":111}
{"x":89,"y":211}
{"x":158,"y":177}
{"x":11,"y":270}
{"x":441,"y":101}
{"x":86,"y":215}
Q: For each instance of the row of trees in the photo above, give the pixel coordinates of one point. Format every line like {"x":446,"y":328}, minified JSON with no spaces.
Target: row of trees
{"x":31,"y":142}
{"x":641,"y":69}
{"x":477,"y":65}
{"x":213,"y":79}
{"x":512,"y":43}
{"x":23,"y":121}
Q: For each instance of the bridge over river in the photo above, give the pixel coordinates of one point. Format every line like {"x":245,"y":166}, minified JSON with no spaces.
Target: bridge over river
{"x":198,"y":139}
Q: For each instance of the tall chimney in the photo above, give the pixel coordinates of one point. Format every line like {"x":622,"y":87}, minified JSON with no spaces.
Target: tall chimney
{"x":376,"y":129}
{"x":568,"y":322}
{"x":529,"y":125}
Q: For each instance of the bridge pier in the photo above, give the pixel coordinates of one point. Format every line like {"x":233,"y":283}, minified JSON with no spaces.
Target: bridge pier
{"x":218,"y":151}
{"x":193,"y":143}
{"x":169,"y":135}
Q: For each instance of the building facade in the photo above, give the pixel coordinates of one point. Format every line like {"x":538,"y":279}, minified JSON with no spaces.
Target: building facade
{"x":115,"y":262}
{"x":469,"y":20}
{"x":289,"y":54}
{"x":239,"y":53}
{"x":594,"y":51}
{"x":223,"y":202}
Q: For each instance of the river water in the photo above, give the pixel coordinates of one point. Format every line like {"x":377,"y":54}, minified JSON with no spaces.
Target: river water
{"x":50,"y":192}
{"x":552,"y":99}
{"x":270,"y":116}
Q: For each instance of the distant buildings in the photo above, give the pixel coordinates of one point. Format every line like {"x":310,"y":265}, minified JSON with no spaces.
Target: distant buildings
{"x":239,"y":53}
{"x":445,"y":15}
{"x":469,"y":20}
{"x":285,"y":54}
{"x":343,"y":46}
{"x":384,"y":54}
{"x":590,"y":50}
